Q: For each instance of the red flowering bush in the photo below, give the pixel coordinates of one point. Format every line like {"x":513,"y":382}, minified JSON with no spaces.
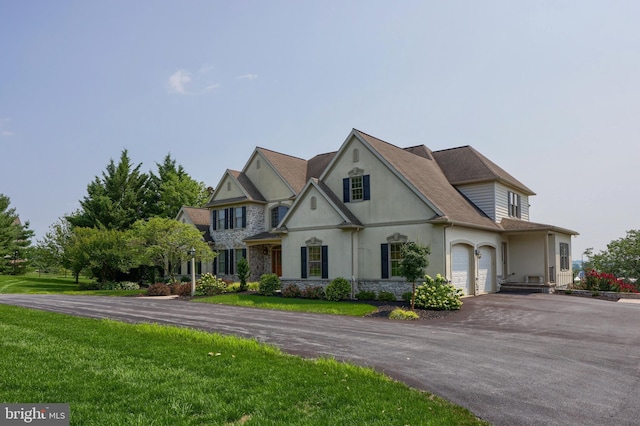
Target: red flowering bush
{"x":604,"y":281}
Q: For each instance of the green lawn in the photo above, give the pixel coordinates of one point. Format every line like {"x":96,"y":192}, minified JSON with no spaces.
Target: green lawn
{"x":113,"y":373}
{"x":49,"y":284}
{"x":291,"y":304}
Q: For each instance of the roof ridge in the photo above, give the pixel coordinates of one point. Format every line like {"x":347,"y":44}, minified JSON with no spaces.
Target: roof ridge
{"x":280,"y":153}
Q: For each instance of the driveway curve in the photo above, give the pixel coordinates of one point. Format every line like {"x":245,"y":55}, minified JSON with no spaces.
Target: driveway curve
{"x":510,"y":359}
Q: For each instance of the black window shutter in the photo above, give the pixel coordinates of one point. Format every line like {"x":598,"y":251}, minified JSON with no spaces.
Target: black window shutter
{"x":345,"y":190}
{"x":384,"y":260}
{"x":325,"y":261}
{"x":215,"y":219}
{"x":231,"y":217}
{"x":366,"y":187}
{"x":226,"y":262}
{"x":231,"y":263}
{"x":244,"y":253}
{"x":215,"y":264}
{"x":303,"y":262}
{"x":244,"y":216}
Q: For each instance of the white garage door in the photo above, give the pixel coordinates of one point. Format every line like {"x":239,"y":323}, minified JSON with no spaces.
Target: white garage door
{"x":460,"y":276}
{"x":485,"y":270}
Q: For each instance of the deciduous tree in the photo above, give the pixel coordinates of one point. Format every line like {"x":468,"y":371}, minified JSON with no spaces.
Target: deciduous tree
{"x":413,"y":264}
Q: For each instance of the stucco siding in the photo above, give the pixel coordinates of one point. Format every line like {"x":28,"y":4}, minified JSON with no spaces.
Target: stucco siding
{"x":266,"y":180}
{"x":227,"y":188}
{"x":305,"y":217}
{"x":391,"y":200}
{"x":483,"y":195}
{"x":526,"y":257}
{"x":339,"y":251}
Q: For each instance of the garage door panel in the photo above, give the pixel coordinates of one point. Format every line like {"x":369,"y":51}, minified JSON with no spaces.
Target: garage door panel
{"x":460,"y":273}
{"x":485,"y":270}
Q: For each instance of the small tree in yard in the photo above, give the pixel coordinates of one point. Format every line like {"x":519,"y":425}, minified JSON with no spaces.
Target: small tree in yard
{"x":413,"y":265}
{"x":243,"y":273}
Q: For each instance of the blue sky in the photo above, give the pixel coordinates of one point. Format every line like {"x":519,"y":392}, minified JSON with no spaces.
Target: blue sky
{"x":549,"y":90}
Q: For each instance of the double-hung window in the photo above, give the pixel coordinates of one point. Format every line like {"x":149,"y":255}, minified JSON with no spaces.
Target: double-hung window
{"x":222,"y":219}
{"x":514,"y":204}
{"x":356,"y":188}
{"x":314,"y":261}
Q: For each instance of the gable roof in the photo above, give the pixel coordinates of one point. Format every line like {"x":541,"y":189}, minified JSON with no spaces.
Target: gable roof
{"x":465,"y":165}
{"x":243,"y":182}
{"x":318,"y":164}
{"x":293,"y":170}
{"x":349,"y":220}
{"x":199,"y":217}
{"x":426,"y":178}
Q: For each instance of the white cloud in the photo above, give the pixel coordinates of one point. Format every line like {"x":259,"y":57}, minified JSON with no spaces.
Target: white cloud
{"x":248,"y":76}
{"x":178,"y":81}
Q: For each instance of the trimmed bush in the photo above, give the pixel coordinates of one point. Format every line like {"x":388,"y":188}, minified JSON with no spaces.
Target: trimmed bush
{"x":158,"y":289}
{"x":438,"y":294}
{"x":242,"y":270}
{"x":338,"y":289}
{"x":313,"y":293}
{"x":210,"y":285}
{"x":185,"y":279}
{"x":387,"y":296}
{"x":366,"y":295}
{"x":407,"y":296}
{"x":401,"y":314}
{"x":269,"y":283}
{"x":184,"y":290}
{"x":174,"y":287}
{"x":291,"y":290}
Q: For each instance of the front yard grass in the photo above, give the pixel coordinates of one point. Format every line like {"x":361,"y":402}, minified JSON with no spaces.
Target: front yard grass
{"x":291,"y":304}
{"x":34,"y":283}
{"x":112,"y":373}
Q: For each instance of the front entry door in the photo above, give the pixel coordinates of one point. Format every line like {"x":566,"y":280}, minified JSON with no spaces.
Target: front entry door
{"x":276,"y":260}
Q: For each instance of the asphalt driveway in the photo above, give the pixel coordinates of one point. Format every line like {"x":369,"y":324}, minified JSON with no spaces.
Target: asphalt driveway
{"x":510,"y":359}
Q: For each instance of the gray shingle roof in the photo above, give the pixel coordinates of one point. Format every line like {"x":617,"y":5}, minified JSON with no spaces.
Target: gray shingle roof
{"x":292,"y":169}
{"x":465,"y":165}
{"x":200,"y":218}
{"x":429,"y":180}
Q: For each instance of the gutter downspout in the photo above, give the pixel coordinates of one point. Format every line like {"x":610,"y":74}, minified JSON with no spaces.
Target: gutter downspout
{"x":444,"y":249}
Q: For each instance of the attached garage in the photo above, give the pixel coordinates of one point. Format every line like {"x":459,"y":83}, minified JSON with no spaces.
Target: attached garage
{"x":460,"y":267}
{"x":486,"y":273}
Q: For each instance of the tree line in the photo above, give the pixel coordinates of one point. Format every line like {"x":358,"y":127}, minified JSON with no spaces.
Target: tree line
{"x":124,"y":228}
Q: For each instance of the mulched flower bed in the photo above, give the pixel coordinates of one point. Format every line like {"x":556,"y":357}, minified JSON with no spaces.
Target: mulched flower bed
{"x":385,"y":308}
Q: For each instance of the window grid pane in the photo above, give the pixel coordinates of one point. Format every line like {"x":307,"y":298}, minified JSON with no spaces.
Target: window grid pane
{"x":314,"y":260}
{"x":222,"y":255}
{"x":238,"y":219}
{"x":221,"y":216}
{"x":395,"y":257}
{"x":357,"y":191}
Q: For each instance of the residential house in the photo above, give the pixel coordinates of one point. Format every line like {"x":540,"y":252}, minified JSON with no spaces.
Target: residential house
{"x":199,"y":218}
{"x":347,"y":214}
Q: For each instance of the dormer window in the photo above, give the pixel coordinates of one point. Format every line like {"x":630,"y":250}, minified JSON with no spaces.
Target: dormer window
{"x":514,"y":205}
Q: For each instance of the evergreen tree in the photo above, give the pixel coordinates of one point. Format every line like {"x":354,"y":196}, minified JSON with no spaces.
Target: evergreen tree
{"x":15,"y":238}
{"x":115,"y":200}
{"x":173,"y":188}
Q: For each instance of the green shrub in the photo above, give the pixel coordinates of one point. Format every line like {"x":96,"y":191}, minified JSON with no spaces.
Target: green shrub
{"x":233,"y":288}
{"x":158,"y":289}
{"x":242,"y":270}
{"x":407,"y":296}
{"x":401,"y":314}
{"x":291,"y":290}
{"x":316,"y":292}
{"x":595,"y":293}
{"x":173,"y":287}
{"x":185,"y":279}
{"x":338,"y":289}
{"x":438,"y":294}
{"x":366,"y":295}
{"x":269,"y":283}
{"x":253,"y":286}
{"x":210,"y":285}
{"x":568,"y":291}
{"x":387,"y":296}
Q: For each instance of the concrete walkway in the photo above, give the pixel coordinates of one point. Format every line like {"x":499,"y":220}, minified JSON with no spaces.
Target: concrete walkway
{"x":511,"y":359}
